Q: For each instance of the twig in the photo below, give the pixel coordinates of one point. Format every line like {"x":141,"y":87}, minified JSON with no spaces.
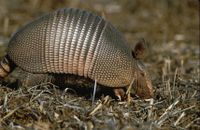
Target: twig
{"x":94,"y":92}
{"x":188,"y":108}
{"x":180,"y":117}
{"x":37,"y":96}
{"x":5,"y":101}
{"x":72,"y":106}
{"x":9,"y":114}
{"x":164,"y":116}
{"x":99,"y":106}
{"x":6,"y":25}
{"x":193,"y":95}
{"x":163,"y":74}
{"x":188,"y":125}
{"x":103,"y":15}
{"x":174,"y":82}
{"x":128,"y":92}
{"x":169,"y":88}
{"x":150,"y":108}
{"x":182,"y":66}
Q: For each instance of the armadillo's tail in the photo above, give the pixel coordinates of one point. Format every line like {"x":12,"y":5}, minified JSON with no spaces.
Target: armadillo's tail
{"x":6,"y":66}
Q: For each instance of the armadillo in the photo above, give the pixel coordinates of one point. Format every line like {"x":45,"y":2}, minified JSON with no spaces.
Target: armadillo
{"x":78,"y":42}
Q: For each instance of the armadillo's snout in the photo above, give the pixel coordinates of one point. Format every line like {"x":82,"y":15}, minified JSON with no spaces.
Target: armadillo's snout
{"x":6,"y":66}
{"x":143,"y":86}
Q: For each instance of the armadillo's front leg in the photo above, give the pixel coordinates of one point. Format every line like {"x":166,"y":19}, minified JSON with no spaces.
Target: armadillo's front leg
{"x":119,"y":93}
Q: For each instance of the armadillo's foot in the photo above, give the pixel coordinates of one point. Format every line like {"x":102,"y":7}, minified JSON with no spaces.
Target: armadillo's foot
{"x":120,"y":93}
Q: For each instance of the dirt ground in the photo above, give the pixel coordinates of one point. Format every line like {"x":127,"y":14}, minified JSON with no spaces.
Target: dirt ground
{"x":171,"y":29}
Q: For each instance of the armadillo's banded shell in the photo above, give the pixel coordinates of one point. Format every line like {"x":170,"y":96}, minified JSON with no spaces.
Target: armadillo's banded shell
{"x":73,"y":41}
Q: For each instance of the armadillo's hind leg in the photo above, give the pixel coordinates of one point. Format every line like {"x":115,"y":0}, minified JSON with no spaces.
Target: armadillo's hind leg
{"x":29,"y":79}
{"x":6,"y":66}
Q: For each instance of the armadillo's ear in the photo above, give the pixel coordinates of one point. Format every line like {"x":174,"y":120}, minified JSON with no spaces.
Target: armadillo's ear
{"x":140,"y":49}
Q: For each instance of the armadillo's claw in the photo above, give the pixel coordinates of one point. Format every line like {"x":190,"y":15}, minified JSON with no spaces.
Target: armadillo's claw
{"x":120,"y":94}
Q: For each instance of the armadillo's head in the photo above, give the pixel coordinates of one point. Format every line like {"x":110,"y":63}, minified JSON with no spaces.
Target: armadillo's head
{"x":142,"y":83}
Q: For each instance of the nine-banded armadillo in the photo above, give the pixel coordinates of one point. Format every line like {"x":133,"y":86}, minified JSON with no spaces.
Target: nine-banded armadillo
{"x":73,"y":41}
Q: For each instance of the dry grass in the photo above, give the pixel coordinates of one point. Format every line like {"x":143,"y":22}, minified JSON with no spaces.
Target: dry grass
{"x":173,"y":63}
